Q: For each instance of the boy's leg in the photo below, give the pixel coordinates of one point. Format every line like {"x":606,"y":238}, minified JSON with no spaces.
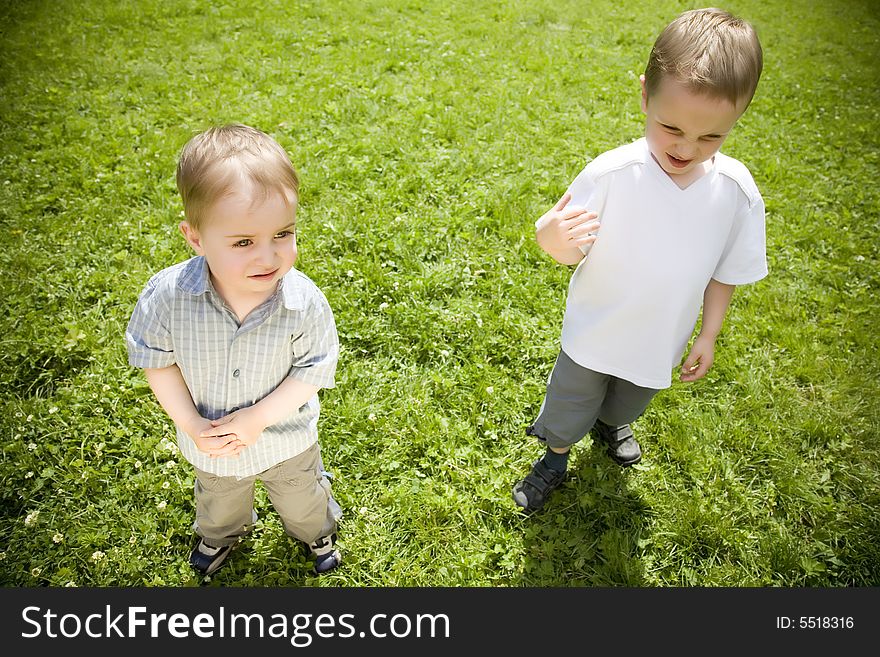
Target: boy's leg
{"x":624,"y":403}
{"x":302,"y":496}
{"x":224,"y":508}
{"x":570,"y":408}
{"x":224,"y":513}
{"x":571,"y":404}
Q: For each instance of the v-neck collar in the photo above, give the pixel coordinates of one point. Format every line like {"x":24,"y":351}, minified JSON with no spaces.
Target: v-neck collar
{"x":667,"y":179}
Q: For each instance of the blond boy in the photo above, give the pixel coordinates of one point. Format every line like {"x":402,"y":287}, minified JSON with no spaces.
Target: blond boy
{"x":659,"y":229}
{"x":235,"y":344}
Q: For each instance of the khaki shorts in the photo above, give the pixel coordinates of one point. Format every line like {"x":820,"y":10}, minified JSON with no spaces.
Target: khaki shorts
{"x":577,"y":396}
{"x":297,"y":487}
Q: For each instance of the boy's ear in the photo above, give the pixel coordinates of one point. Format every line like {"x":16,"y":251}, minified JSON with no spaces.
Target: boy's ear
{"x":192,"y":237}
{"x":644,"y":94}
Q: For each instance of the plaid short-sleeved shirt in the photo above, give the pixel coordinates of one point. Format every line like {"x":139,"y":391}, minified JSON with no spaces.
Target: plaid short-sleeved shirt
{"x":180,"y":319}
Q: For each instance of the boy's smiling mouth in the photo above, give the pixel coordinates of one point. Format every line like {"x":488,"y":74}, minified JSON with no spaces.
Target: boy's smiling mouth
{"x":263,"y":277}
{"x":678,"y":164}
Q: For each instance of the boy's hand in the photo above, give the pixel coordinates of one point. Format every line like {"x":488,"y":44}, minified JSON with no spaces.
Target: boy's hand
{"x":214,"y":446}
{"x":563,"y":228}
{"x":699,"y":360}
{"x":244,"y":426}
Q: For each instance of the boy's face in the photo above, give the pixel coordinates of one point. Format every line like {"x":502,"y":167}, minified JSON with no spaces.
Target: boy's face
{"x":248,"y":247}
{"x":685,"y":129}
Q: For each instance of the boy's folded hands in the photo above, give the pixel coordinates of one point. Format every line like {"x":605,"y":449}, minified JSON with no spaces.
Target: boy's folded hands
{"x":228,"y":435}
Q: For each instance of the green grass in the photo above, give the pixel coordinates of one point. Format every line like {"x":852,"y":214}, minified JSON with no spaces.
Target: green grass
{"x":429,"y":137}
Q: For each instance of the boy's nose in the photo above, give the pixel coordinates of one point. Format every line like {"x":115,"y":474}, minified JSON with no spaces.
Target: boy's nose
{"x":686,"y":151}
{"x":266,"y":255}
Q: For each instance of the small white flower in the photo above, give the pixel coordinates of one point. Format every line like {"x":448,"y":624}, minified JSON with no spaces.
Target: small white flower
{"x":489,"y":390}
{"x":29,"y":418}
{"x":97,"y":555}
{"x":132,"y":540}
{"x":349,"y":273}
{"x":169,"y":465}
{"x":161,"y":505}
{"x":106,"y":387}
{"x":58,"y":537}
{"x":166,"y":485}
{"x":70,"y":584}
{"x":371,"y":417}
{"x":84,"y":475}
{"x":32,"y":446}
{"x":29,"y":474}
{"x":54,"y":409}
{"x":2,"y":556}
{"x":138,"y":464}
{"x":363,"y":510}
{"x":36,"y":572}
{"x":860,"y":258}
{"x":383,"y":305}
{"x":31,"y":517}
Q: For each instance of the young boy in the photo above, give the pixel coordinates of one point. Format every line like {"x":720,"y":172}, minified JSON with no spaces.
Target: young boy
{"x":657,"y":228}
{"x":235,"y":344}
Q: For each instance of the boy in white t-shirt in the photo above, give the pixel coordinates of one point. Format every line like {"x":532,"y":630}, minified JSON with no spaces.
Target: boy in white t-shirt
{"x":658,"y":228}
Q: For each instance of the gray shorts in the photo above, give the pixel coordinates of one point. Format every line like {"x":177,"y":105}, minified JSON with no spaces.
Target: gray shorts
{"x":577,"y":396}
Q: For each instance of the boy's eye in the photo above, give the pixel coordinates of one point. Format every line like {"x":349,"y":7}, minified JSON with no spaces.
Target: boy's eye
{"x":241,"y":243}
{"x":670,"y":128}
{"x":283,"y":234}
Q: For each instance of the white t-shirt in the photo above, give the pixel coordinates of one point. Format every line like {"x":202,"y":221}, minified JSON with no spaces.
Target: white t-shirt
{"x":633,"y":301}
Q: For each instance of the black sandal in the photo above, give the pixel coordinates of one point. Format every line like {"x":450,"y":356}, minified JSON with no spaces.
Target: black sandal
{"x":531,"y":493}
{"x":206,"y":559}
{"x":327,"y":557}
{"x":622,"y":445}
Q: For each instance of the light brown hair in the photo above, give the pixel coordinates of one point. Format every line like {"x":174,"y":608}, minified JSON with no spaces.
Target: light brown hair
{"x":217,"y":161}
{"x":711,"y":52}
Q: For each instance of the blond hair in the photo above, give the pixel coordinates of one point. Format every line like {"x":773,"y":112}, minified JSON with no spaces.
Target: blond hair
{"x":711,"y":52}
{"x":213,"y":163}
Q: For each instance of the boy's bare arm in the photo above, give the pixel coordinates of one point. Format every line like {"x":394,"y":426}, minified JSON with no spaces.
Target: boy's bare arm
{"x":247,"y":424}
{"x":716,"y":300}
{"x":561,"y":231}
{"x":170,"y":389}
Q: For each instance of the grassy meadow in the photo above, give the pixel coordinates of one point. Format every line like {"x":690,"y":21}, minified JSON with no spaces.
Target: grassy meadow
{"x":429,"y":136}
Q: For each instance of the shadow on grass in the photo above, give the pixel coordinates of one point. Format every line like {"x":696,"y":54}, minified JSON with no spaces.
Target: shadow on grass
{"x":591,"y":531}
